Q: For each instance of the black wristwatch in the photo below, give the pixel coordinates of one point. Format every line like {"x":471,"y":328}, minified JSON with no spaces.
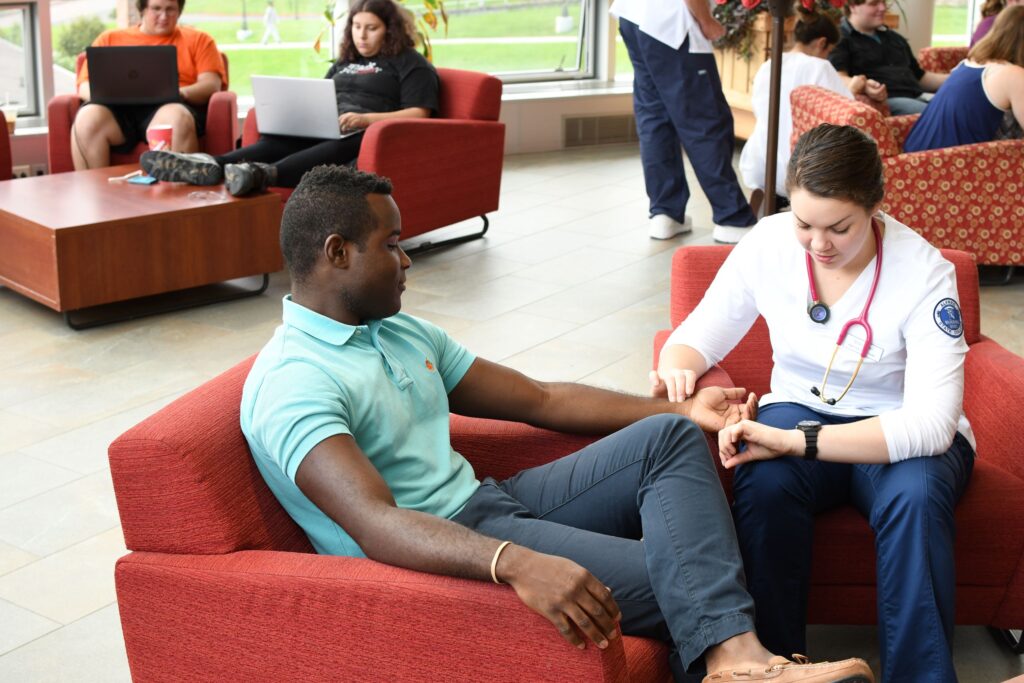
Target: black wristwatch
{"x":810,"y":428}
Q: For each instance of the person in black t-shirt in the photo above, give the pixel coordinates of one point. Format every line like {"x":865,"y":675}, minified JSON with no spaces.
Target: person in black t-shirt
{"x":379,"y":75}
{"x":871,"y":49}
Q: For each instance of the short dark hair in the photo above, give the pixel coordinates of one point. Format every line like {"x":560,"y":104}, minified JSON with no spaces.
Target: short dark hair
{"x":329,"y":200}
{"x":141,"y":5}
{"x":837,"y":162}
{"x":812,"y":25}
{"x":398,"y":28}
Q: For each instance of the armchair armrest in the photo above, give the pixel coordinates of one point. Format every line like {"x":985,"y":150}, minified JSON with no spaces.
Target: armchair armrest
{"x":221,"y":123}
{"x":941,"y":59}
{"x":60,"y":115}
{"x":994,"y":404}
{"x":274,"y":616}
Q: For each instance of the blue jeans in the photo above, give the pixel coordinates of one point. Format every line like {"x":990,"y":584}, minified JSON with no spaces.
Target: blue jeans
{"x":906,"y":105}
{"x":909,"y":505}
{"x":643,"y":510}
{"x":678,"y":100}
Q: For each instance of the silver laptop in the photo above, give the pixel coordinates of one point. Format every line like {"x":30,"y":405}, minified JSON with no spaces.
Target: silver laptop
{"x":299,"y":107}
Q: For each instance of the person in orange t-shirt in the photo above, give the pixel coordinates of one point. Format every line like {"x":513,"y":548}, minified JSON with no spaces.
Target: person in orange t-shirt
{"x":99,"y":128}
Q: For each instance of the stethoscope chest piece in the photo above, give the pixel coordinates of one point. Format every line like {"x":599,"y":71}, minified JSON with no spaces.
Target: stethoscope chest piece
{"x":819,"y":313}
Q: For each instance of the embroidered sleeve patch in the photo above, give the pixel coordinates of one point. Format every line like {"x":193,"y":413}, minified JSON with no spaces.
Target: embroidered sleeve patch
{"x":947,"y":317}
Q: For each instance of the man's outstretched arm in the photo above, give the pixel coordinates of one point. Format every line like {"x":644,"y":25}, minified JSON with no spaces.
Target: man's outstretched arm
{"x":494,"y":391}
{"x":339,"y":479}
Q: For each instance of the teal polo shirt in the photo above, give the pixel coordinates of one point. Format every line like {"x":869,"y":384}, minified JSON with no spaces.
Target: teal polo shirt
{"x":385,"y":383}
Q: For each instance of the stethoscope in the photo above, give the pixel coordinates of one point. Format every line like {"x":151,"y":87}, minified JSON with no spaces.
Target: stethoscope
{"x":820,"y":313}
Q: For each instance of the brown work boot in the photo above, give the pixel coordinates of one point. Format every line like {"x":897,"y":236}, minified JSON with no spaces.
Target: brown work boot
{"x":248,"y":177}
{"x":802,"y":670}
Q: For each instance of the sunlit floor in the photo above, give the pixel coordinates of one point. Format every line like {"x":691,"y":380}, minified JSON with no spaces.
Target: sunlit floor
{"x":566,"y":285}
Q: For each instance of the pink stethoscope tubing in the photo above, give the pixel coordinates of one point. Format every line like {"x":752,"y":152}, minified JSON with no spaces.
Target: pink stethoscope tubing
{"x":861,"y":320}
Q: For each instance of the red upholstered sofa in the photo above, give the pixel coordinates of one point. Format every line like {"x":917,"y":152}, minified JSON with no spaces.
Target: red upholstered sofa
{"x":966,"y":197}
{"x":222,"y":585}
{"x":941,"y":60}
{"x":445,"y":169}
{"x":990,"y":516}
{"x":221,"y":126}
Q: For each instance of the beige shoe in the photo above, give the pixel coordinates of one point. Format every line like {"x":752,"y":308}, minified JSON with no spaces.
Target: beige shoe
{"x":662,"y":227}
{"x":802,"y":670}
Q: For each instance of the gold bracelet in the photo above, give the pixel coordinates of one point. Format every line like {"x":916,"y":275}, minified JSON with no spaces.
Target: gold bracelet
{"x":494,"y":561}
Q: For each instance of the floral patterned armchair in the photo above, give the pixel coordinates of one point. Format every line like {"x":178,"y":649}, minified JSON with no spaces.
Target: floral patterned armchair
{"x":965,"y":197}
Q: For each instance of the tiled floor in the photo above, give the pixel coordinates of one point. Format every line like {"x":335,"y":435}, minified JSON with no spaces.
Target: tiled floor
{"x":565,"y":286}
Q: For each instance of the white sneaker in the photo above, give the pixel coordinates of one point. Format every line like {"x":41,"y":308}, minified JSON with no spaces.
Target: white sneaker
{"x":664,"y":227}
{"x":729,"y":234}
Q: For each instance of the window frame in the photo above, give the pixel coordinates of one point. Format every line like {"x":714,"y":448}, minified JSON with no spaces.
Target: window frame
{"x":34,"y":105}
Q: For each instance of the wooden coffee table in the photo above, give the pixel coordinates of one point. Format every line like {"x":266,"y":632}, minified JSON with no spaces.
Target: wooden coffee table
{"x":72,"y":241}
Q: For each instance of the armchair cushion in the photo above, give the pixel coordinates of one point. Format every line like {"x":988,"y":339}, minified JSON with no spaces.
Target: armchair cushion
{"x":941,"y":60}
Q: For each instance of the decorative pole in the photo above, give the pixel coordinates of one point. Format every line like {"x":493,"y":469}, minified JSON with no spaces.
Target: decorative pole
{"x":779,"y":9}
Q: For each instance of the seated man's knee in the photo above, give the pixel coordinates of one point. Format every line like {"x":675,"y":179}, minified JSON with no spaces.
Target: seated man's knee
{"x":177,"y":115}
{"x":94,"y":120}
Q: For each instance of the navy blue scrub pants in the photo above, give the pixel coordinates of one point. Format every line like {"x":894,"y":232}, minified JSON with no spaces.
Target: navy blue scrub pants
{"x":909,"y":505}
{"x":678,"y":101}
{"x":644,"y":512}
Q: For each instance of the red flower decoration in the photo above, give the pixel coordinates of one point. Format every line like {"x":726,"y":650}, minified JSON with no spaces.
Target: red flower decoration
{"x":751,"y":4}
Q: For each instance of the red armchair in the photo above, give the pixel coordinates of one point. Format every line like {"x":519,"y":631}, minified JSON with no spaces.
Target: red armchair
{"x":965,"y":198}
{"x":990,"y":516}
{"x":445,"y":169}
{"x":222,"y":585}
{"x":221,"y":126}
{"x":6,"y":163}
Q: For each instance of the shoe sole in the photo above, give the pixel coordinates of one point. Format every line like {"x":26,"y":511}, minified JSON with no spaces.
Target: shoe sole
{"x":165,"y":166}
{"x":234,"y":181}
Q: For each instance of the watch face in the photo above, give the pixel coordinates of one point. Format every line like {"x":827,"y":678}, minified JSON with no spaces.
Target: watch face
{"x":808,"y":424}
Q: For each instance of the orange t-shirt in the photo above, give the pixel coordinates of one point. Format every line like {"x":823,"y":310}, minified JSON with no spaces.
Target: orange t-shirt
{"x":197,"y":53}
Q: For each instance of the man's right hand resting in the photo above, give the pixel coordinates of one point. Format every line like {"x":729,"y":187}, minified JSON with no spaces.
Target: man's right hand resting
{"x":563,"y":592}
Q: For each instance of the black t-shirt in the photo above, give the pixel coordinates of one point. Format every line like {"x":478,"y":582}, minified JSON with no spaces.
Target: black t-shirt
{"x":889,"y":59}
{"x":380,"y":84}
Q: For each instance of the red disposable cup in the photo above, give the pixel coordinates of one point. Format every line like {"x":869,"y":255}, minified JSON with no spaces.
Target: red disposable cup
{"x":159,"y":137}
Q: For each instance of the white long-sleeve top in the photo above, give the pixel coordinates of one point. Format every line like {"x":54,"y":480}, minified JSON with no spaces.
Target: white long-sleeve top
{"x":797,"y":69}
{"x":667,"y":21}
{"x":913,"y":376}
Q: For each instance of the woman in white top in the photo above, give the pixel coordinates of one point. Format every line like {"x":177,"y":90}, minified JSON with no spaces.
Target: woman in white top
{"x":805,"y":64}
{"x":880,"y":426}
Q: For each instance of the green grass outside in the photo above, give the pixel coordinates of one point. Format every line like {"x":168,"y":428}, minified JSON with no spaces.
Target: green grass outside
{"x":305,"y":63}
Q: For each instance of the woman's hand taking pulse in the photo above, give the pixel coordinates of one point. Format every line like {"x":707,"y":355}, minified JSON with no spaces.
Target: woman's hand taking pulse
{"x":350,"y":121}
{"x":675,"y":384}
{"x":763,"y":443}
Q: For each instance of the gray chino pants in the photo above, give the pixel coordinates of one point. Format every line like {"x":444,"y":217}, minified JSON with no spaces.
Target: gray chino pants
{"x":642,"y":510}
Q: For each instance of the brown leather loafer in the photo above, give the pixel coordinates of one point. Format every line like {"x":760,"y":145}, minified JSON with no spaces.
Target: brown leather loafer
{"x":782,"y":670}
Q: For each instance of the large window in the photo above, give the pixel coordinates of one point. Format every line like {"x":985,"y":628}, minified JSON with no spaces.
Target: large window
{"x":74,"y":25}
{"x":19,"y":86}
{"x":515,"y":39}
{"x":952,"y":24}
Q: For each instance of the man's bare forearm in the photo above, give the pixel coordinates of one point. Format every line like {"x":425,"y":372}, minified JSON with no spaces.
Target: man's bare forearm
{"x":583,"y":409}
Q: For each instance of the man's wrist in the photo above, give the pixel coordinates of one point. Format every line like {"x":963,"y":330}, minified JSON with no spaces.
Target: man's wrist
{"x":507,"y":567}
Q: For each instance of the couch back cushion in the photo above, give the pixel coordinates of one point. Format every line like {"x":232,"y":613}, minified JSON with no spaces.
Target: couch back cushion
{"x":750,"y":364}
{"x":186,"y":482}
{"x":812,"y":106}
{"x":469,"y":95}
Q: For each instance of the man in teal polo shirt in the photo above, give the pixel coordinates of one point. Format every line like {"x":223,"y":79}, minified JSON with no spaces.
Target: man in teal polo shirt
{"x":346,"y":413}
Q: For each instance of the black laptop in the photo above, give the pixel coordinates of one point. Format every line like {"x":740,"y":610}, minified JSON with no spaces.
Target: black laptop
{"x":143,"y":74}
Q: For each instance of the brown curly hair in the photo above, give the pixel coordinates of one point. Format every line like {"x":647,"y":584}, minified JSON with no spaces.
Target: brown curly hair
{"x":992,"y":7}
{"x":398,"y":29}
